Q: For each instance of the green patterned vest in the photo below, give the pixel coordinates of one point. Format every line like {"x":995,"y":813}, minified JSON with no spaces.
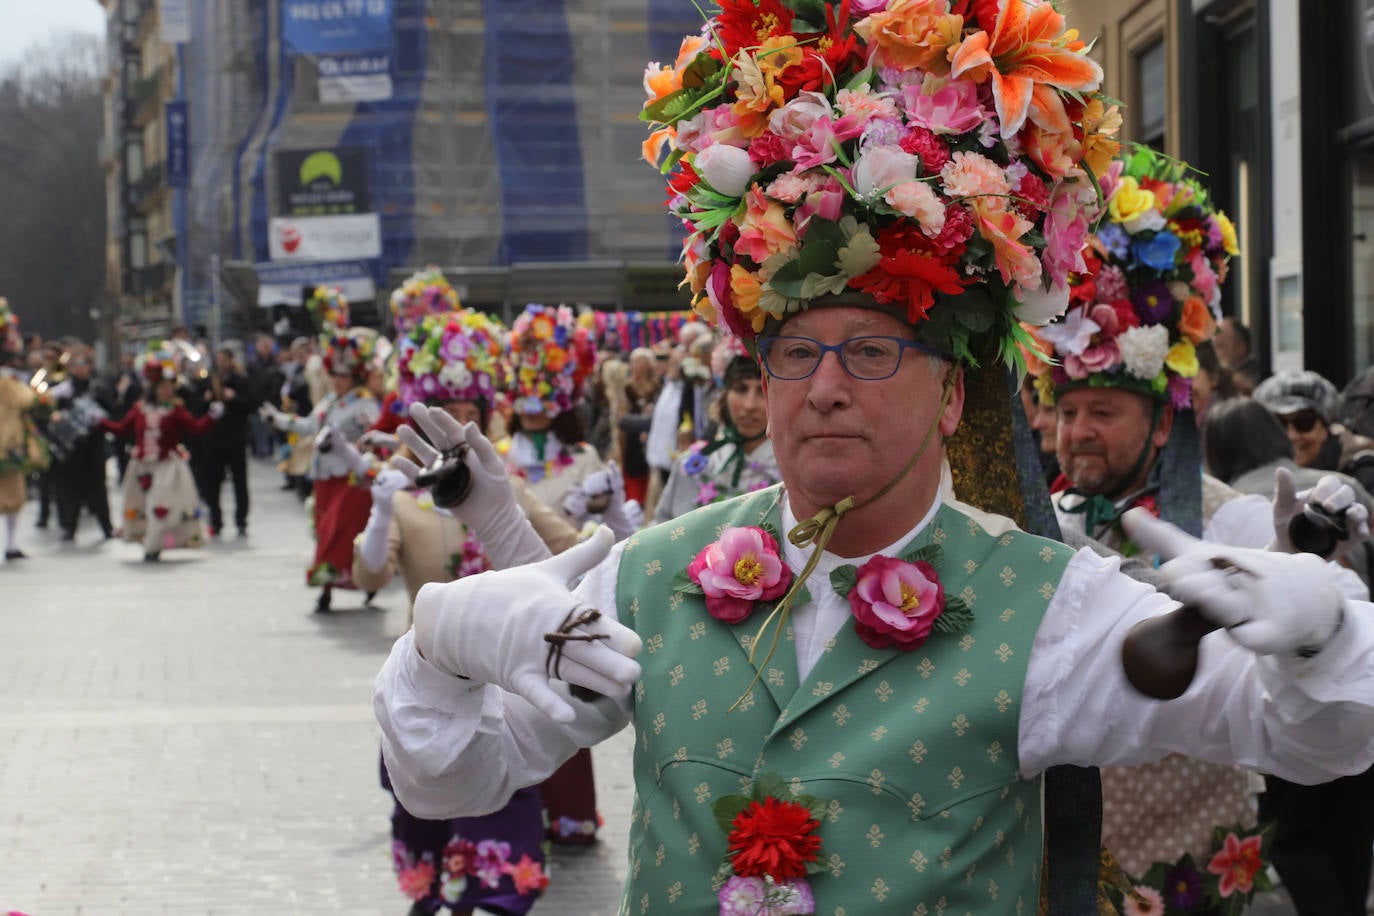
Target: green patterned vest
{"x":914,"y":752}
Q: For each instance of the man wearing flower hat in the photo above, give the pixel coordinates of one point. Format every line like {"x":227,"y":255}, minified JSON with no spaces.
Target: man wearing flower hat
{"x":1122,"y":384}
{"x":856,"y":717}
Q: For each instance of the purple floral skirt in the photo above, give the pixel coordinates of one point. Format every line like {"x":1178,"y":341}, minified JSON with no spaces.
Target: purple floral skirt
{"x":495,"y":861}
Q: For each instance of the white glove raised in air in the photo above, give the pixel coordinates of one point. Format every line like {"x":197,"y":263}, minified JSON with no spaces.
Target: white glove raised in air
{"x":354,"y":460}
{"x":1271,"y":603}
{"x":373,"y":544}
{"x":490,"y":628}
{"x":216,"y":410}
{"x":490,"y":508}
{"x":1332,"y":495}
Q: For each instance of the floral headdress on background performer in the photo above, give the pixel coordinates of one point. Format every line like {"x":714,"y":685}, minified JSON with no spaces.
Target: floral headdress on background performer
{"x":344,"y":349}
{"x":426,"y":292}
{"x":454,"y":356}
{"x":160,"y":362}
{"x":551,"y":356}
{"x":933,"y":157}
{"x":1151,"y":291}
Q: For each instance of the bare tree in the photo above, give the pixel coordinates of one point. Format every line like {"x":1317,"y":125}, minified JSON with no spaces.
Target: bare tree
{"x":52,"y":190}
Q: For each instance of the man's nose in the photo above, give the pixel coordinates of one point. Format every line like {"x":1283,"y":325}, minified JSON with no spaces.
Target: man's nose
{"x":829,"y":384}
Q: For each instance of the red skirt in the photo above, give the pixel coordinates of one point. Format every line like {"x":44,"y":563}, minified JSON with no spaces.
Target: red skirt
{"x":341,"y":512}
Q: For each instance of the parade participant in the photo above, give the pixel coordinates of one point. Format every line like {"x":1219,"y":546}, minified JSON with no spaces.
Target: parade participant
{"x":740,"y":459}
{"x":79,"y":470}
{"x":161,"y":506}
{"x":548,"y":362}
{"x":341,"y":506}
{"x":1307,"y":405}
{"x":50,"y":372}
{"x":1123,"y":385}
{"x":886,"y":749}
{"x":294,"y":397}
{"x":21,"y":449}
{"x":452,"y":361}
{"x":226,"y":446}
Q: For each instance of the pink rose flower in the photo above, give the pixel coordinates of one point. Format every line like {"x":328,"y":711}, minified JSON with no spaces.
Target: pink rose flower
{"x":880,"y":167}
{"x":765,"y":229}
{"x":895,"y":602}
{"x":738,"y":571}
{"x":816,"y":147}
{"x":825,"y":200}
{"x":944,"y":106}
{"x":796,"y":117}
{"x":915,"y":199}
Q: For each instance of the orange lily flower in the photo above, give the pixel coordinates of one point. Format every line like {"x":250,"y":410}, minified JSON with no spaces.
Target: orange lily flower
{"x":1028,"y":55}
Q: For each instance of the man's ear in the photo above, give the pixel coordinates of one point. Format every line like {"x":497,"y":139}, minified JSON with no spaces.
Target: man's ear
{"x":954,"y":410}
{"x":1163,"y":427}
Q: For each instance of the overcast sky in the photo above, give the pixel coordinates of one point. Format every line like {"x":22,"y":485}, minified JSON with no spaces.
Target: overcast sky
{"x":24,"y":23}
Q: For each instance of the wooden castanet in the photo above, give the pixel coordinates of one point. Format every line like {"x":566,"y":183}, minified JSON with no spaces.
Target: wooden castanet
{"x":1160,"y":653}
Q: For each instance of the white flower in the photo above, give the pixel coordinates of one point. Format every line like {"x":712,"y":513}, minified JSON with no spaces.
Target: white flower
{"x":455,"y":376}
{"x":1040,"y":306}
{"x":1143,"y":350}
{"x":1072,"y":335}
{"x":880,"y":167}
{"x":726,"y":168}
{"x":1149,"y":221}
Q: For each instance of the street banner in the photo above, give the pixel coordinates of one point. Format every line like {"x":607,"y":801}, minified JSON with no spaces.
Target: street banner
{"x":283,"y":284}
{"x":322,"y":182}
{"x":325,"y":238}
{"x":316,"y":27}
{"x":174,"y":21}
{"x":350,"y":78}
{"x":178,"y":145}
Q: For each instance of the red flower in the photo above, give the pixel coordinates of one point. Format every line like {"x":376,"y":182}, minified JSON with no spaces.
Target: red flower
{"x":766,"y":149}
{"x":160,"y":511}
{"x":834,"y":51}
{"x":773,"y":839}
{"x":933,"y":152}
{"x":742,"y":24}
{"x":1237,"y":863}
{"x":145,"y":481}
{"x":684,"y":179}
{"x":909,"y":273}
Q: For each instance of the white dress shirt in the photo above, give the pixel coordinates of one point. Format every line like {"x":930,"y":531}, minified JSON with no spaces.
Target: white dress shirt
{"x":456,"y":749}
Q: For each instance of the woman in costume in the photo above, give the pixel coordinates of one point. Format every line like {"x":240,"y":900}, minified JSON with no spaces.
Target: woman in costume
{"x":161,"y":504}
{"x":452,"y":360}
{"x":740,"y":459}
{"x":20,"y":447}
{"x":341,"y":507}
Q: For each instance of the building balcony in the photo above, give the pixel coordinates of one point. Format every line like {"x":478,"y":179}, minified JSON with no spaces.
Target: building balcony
{"x":147,"y":188}
{"x":145,"y":97}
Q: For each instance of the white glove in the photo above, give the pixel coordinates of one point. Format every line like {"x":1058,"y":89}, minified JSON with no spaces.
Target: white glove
{"x":1271,"y":603}
{"x":356,"y":462}
{"x":373,"y":546}
{"x":1329,"y":493}
{"x":216,"y":410}
{"x":62,"y":390}
{"x":624,"y":518}
{"x":271,"y":414}
{"x":490,"y":628}
{"x":575,"y":504}
{"x":490,"y":509}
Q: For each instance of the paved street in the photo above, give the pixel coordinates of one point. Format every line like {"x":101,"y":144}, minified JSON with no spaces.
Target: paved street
{"x":187,"y":738}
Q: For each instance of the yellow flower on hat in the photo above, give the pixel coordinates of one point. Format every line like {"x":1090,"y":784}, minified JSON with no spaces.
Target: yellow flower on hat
{"x":1228,"y":234}
{"x":1130,"y":200}
{"x":1182,"y":358}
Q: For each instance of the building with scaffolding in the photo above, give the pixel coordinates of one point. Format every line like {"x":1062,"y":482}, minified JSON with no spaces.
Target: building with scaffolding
{"x":261,"y":146}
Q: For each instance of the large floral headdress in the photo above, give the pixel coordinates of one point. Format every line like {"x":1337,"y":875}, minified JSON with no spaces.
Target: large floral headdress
{"x":551,"y":356}
{"x":450,"y":357}
{"x":330,"y":308}
{"x":426,"y":292}
{"x":11,"y":341}
{"x":354,"y":351}
{"x":1151,"y":290}
{"x":932,"y":156}
{"x":159,"y":362}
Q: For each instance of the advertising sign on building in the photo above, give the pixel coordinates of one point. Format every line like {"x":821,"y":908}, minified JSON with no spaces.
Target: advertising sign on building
{"x":327,"y":27}
{"x":322,"y":182}
{"x":282,"y":284}
{"x":174,"y":21}
{"x":178,"y":145}
{"x":354,"y":77}
{"x":325,"y":238}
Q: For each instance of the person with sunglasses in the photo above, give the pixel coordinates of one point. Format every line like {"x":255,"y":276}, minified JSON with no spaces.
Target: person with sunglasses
{"x":1307,"y":406}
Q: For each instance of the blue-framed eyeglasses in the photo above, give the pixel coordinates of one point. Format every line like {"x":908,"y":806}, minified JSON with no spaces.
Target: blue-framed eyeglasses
{"x":870,"y":359}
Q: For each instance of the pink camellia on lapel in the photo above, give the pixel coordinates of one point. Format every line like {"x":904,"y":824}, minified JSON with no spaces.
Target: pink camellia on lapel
{"x":896,"y":602}
{"x":738,"y":571}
